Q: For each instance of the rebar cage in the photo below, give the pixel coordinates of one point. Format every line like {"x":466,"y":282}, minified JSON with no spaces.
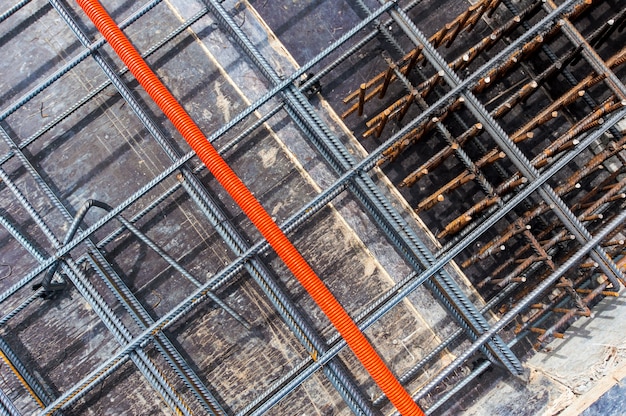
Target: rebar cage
{"x":455,"y":177}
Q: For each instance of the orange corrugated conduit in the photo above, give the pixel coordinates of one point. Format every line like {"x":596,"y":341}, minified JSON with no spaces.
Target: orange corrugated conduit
{"x":252,"y":208}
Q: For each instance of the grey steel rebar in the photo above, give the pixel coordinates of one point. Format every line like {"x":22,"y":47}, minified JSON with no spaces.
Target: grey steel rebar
{"x":115,"y":361}
{"x":101,"y":262}
{"x":460,"y":153}
{"x":151,"y":127}
{"x":365,"y":165}
{"x":91,"y":295}
{"x":71,"y":64}
{"x":187,"y":305}
{"x":290,"y":314}
{"x":513,"y":152}
{"x":295,"y":107}
{"x":451,"y":302}
{"x":524,"y":303}
{"x":12,"y":10}
{"x":139,"y":357}
{"x":93,"y":93}
{"x":591,"y":56}
{"x":183,"y":370}
{"x":173,"y":263}
{"x":7,"y":317}
{"x":136,"y":310}
{"x":28,"y":96}
{"x":575,"y":131}
{"x":466,"y":380}
{"x":497,"y":34}
{"x":354,"y":48}
{"x":569,"y":77}
{"x":221,"y":131}
{"x":86,"y":234}
{"x":88,"y":292}
{"x":413,"y":371}
{"x":290,"y":381}
{"x":6,"y":405}
{"x":107,"y":317}
{"x":381,"y":210}
{"x":40,"y":390}
{"x":8,"y":182}
{"x":193,"y":187}
{"x":460,"y":303}
{"x":128,"y":300}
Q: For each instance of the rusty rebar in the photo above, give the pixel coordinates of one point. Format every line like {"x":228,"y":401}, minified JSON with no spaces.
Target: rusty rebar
{"x":441,"y":156}
{"x":388,"y":76}
{"x":460,"y":180}
{"x":394,"y":108}
{"x":407,"y":104}
{"x":561,"y":322}
{"x":602,"y":186}
{"x":539,"y":161}
{"x":361,"y":99}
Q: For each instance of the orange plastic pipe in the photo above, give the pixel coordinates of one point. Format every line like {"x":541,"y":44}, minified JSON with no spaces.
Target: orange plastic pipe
{"x":252,"y":208}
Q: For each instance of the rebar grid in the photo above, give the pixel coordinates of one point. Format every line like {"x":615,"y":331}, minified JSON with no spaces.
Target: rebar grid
{"x":351,"y":174}
{"x":572,"y":221}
